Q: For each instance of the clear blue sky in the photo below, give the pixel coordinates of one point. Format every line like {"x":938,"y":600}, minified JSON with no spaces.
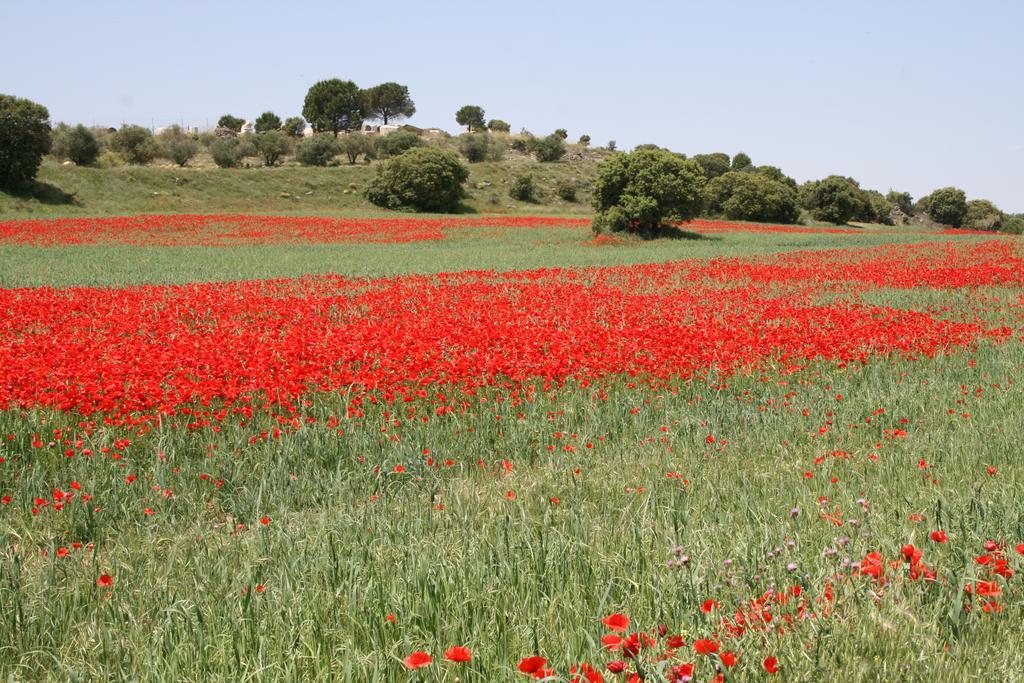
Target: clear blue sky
{"x":908,"y":94}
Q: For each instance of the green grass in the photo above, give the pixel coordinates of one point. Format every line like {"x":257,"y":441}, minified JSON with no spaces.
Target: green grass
{"x":470,"y":249}
{"x":73,"y":191}
{"x":515,"y":578}
{"x":351,"y":541}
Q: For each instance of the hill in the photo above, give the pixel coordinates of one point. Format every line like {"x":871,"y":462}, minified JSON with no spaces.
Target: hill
{"x":201,"y":187}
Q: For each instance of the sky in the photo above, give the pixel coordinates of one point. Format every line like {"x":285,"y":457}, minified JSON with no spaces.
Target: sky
{"x":900,"y":94}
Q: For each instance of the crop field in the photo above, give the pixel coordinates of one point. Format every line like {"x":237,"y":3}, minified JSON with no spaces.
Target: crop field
{"x":491,"y":448}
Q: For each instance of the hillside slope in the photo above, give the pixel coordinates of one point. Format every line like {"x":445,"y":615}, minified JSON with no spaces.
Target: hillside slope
{"x":66,"y":190}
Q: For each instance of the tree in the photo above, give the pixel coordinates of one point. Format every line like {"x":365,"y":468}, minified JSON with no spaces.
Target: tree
{"x":714,"y":164}
{"x":79,"y":144}
{"x":742,"y":162}
{"x":635,"y":192}
{"x":177,"y":146}
{"x":584,"y":141}
{"x":267,"y":121}
{"x":523,"y":189}
{"x":24,"y":138}
{"x":982,"y":214}
{"x":317,"y":150}
{"x":498,"y":126}
{"x":230,"y":122}
{"x":294,"y":126}
{"x":834,"y":199}
{"x":396,"y":143}
{"x":947,"y":205}
{"x":334,"y":105}
{"x":561,"y":133}
{"x":470,"y":116}
{"x":551,"y":148}
{"x":389,"y":101}
{"x":420,"y":179}
{"x":903,"y":200}
{"x":272,"y":146}
{"x":354,"y":144}
{"x":611,"y":145}
{"x":775,"y":173}
{"x":135,"y":144}
{"x":752,"y":197}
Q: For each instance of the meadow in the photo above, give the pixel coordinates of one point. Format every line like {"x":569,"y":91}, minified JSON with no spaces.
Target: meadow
{"x":497,"y":448}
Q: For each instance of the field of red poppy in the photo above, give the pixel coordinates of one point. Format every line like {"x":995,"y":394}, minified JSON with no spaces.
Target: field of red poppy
{"x":792,"y":455}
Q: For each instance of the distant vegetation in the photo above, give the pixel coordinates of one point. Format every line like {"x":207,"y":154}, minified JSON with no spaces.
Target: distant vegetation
{"x":625,"y":197}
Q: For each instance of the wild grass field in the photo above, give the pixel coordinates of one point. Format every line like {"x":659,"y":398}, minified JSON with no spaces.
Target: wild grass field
{"x":512,"y":452}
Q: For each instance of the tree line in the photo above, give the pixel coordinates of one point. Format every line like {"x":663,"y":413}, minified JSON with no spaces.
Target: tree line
{"x":714,"y":184}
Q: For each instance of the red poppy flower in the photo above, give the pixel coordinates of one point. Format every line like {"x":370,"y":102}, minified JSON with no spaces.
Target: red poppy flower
{"x":418,"y":660}
{"x":616,"y":666}
{"x":939,"y":536}
{"x":264,"y":521}
{"x":531,"y":665}
{"x":771,"y":665}
{"x":705,"y":646}
{"x":707,"y":606}
{"x":458,"y":654}
{"x":728,"y":658}
{"x":616,"y":622}
{"x":105,"y":581}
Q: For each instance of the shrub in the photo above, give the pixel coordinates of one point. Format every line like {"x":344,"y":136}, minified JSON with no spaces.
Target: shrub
{"x":272,"y":146}
{"x":419,"y":179}
{"x":135,"y":144}
{"x":230,"y":122}
{"x":982,"y":214}
{"x":317,"y":150}
{"x":177,"y":146}
{"x":470,"y":116}
{"x":498,"y":126}
{"x":294,"y":126}
{"x":523,"y":143}
{"x":551,"y":148}
{"x":266,"y":122}
{"x":561,"y":133}
{"x":226,"y":152}
{"x":396,"y":143}
{"x":584,"y":141}
{"x":475,"y":147}
{"x":714,"y":164}
{"x":24,"y":138}
{"x":611,"y":145}
{"x":947,"y":205}
{"x":566,"y":190}
{"x":635,"y":192}
{"x":355,"y":144}
{"x":1013,"y":225}
{"x":752,"y":197}
{"x":79,"y":144}
{"x":523,"y":189}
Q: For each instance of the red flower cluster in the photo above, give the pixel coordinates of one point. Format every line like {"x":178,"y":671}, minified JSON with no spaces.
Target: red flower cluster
{"x":144,"y":352}
{"x":220,"y":230}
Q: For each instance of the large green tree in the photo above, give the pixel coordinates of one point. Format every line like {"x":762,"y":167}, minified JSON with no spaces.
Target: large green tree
{"x":470,"y":116}
{"x":636,"y":192}
{"x":266,"y":122}
{"x":389,"y":101}
{"x":24,"y":139}
{"x":334,"y":105}
{"x":947,"y":205}
{"x":752,"y":197}
{"x":230,"y":122}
